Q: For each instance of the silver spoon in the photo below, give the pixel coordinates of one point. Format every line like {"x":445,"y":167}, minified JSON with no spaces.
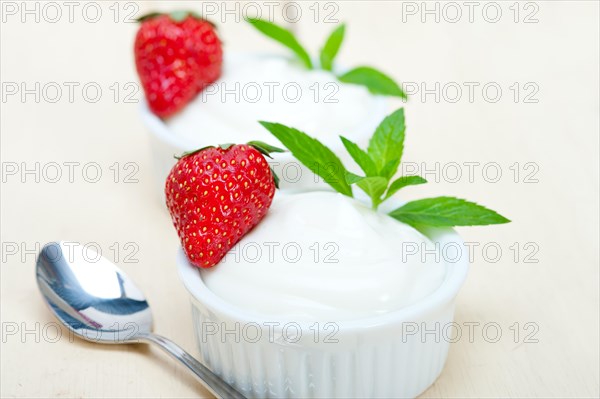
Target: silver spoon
{"x":93,"y":298}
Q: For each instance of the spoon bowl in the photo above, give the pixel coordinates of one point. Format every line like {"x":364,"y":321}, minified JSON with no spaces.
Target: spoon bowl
{"x":98,"y":302}
{"x":90,"y":295}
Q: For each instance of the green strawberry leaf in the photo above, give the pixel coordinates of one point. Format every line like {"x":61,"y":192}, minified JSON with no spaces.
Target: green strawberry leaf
{"x":284,"y":37}
{"x":275,"y":177}
{"x":176,"y":16}
{"x":387,"y":144}
{"x":267,"y":147}
{"x":331,"y":48}
{"x":148,"y":16}
{"x":446,"y":212}
{"x":264,"y":148}
{"x":376,"y":81}
{"x":312,"y":154}
{"x":179,"y":15}
{"x":403,"y":182}
{"x":360,"y":157}
{"x":187,"y":153}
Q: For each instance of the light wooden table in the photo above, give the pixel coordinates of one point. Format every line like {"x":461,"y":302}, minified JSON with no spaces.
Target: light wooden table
{"x":555,"y":211}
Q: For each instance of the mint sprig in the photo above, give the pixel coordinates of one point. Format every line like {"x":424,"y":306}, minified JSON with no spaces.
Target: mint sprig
{"x":380,"y":163}
{"x":284,"y":37}
{"x":374,"y":80}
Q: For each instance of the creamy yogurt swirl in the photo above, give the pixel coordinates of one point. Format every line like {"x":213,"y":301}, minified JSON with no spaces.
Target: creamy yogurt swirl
{"x":275,"y":89}
{"x":325,"y":256}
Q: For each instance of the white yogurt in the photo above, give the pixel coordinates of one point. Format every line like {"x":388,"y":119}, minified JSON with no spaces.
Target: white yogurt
{"x":324,"y":256}
{"x":274,"y":89}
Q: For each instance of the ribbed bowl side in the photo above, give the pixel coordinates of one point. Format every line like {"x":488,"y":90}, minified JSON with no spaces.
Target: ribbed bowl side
{"x":383,"y":362}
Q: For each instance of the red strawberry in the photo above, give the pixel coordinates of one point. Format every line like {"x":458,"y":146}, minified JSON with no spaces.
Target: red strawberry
{"x":216,"y":195}
{"x":176,"y":56}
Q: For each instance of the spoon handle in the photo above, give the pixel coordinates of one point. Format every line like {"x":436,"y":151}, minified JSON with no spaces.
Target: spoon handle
{"x":210,"y":380}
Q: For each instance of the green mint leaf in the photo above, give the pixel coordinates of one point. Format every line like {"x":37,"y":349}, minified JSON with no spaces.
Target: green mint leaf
{"x":284,"y":37}
{"x":377,"y":82}
{"x":387,"y":144}
{"x":351,"y":178}
{"x":446,"y":212}
{"x":312,"y":154}
{"x":264,"y":148}
{"x":360,"y":157}
{"x":390,"y":168}
{"x":374,"y":186}
{"x":331,"y":48}
{"x":403,"y":182}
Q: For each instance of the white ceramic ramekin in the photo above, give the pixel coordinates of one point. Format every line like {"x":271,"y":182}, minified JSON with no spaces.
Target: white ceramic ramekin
{"x":398,"y":354}
{"x":165,"y":144}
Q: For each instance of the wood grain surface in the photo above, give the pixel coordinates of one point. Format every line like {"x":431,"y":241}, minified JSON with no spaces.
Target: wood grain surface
{"x":541,"y":293}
